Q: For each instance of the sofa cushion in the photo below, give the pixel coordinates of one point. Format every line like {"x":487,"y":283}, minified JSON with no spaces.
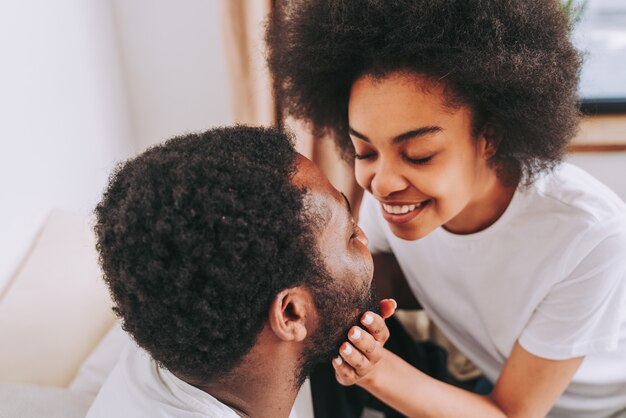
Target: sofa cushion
{"x":100,"y":362}
{"x":56,"y":308}
{"x":20,"y":400}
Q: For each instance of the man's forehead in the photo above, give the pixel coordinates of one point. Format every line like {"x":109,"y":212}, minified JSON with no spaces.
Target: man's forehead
{"x":323,"y":200}
{"x":308,"y":174}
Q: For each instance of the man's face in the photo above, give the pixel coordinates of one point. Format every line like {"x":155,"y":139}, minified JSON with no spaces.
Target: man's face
{"x":347,"y":291}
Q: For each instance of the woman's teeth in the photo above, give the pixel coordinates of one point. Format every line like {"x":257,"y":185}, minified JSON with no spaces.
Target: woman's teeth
{"x":400,"y":210}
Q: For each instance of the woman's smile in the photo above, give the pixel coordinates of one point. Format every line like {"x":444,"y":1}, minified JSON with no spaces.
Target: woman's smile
{"x":399,"y":213}
{"x":400,"y":116}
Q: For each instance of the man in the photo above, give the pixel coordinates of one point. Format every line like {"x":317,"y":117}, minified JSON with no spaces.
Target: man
{"x":235,"y":266}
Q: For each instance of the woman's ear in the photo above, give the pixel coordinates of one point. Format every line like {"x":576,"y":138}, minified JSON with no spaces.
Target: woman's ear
{"x":290,"y":314}
{"x":491,"y":137}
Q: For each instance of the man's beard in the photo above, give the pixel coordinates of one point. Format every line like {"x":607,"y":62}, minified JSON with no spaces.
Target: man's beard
{"x":338,"y":311}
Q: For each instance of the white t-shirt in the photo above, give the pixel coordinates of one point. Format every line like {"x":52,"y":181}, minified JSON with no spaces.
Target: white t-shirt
{"x":551,"y":273}
{"x":138,"y":388}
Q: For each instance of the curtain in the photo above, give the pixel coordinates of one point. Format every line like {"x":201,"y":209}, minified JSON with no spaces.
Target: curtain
{"x":250,"y":84}
{"x":243,"y":26}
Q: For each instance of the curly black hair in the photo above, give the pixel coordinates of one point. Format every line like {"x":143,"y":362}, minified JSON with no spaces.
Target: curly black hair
{"x":511,"y":62}
{"x":196,"y":237}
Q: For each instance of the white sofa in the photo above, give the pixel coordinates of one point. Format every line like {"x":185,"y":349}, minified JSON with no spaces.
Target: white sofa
{"x":53,"y":314}
{"x":59,"y":338}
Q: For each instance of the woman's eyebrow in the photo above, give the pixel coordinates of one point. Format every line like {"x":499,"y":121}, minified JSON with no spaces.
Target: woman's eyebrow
{"x":415,"y":133}
{"x":358,"y":135}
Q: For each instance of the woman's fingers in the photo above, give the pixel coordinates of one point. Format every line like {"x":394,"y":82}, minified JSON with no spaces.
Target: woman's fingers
{"x":344,"y":373}
{"x":354,"y":358}
{"x":388,"y":307}
{"x":365,"y":343}
{"x":375,"y":325}
{"x":359,"y":355}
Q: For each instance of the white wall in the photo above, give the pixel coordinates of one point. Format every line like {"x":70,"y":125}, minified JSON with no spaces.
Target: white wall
{"x":174,"y":62}
{"x":84,"y":84}
{"x":63,"y":114}
{"x":608,"y":167}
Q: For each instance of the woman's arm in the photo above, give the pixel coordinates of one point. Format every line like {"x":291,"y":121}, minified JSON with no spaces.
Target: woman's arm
{"x":528,"y":385}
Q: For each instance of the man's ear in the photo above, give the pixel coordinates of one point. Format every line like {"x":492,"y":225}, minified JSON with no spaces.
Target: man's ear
{"x":290,"y":314}
{"x":490,"y":139}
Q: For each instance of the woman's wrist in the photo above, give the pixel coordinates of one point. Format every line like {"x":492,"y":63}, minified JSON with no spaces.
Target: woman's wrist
{"x":373,"y":378}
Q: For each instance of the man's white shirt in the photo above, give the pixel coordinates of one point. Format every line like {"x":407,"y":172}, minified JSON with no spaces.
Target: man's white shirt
{"x":137,"y":388}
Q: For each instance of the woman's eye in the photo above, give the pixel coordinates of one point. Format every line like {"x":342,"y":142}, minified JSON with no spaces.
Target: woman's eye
{"x":419,"y":161}
{"x":364,"y":156}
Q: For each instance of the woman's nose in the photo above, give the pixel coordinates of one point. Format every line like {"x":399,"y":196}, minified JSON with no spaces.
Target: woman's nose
{"x":387,"y":180}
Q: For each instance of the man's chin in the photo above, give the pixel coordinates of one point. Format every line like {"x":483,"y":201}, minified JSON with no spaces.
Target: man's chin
{"x":331,"y":341}
{"x":335,"y":323}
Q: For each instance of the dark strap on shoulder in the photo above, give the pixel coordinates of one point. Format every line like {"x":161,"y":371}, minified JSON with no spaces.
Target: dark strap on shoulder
{"x":331,"y":400}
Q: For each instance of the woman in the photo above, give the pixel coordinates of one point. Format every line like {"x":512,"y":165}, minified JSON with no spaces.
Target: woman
{"x":457,"y":115}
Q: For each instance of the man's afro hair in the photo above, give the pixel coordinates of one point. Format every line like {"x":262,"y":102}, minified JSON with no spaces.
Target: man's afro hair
{"x":196,"y":237}
{"x":512,"y":62}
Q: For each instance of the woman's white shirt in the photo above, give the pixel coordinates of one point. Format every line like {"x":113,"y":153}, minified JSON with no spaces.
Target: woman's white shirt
{"x":550,"y":272}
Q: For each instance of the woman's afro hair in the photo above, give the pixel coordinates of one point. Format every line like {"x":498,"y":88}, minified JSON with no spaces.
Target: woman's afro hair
{"x":511,"y":62}
{"x":196,"y":237}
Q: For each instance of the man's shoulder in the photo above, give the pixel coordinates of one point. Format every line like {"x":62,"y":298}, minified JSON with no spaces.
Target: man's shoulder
{"x":139,"y":387}
{"x":122,"y":394}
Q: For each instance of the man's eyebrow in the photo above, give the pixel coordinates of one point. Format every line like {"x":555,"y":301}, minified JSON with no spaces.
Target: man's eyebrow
{"x":347,"y":203}
{"x":415,"y":133}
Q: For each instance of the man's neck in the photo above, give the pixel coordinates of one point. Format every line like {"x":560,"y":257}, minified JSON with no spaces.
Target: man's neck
{"x":263,"y":386}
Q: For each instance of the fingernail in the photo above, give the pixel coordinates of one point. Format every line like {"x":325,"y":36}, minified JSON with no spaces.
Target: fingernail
{"x":347,"y":349}
{"x":368,"y":319}
{"x":338,"y":361}
{"x":356,"y":334}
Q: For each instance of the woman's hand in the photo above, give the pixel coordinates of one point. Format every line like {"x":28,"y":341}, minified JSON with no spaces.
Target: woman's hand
{"x":362,"y":353}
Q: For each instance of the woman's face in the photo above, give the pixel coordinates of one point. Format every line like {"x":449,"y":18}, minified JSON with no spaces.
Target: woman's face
{"x":417,"y":156}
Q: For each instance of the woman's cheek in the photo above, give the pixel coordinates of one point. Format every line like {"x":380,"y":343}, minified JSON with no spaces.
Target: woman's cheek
{"x":362,"y":175}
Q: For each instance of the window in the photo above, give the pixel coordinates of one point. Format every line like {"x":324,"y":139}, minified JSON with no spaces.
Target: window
{"x":601,"y":34}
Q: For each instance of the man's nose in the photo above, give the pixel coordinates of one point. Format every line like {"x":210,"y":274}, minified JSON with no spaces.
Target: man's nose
{"x":362,"y":237}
